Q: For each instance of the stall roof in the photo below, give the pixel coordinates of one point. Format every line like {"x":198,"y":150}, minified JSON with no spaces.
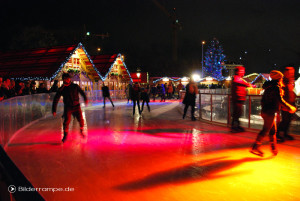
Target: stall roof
{"x":104,"y":64}
{"x":40,"y":64}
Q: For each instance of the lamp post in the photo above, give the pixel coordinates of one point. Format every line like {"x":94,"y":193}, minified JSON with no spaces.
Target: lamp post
{"x":203,"y":43}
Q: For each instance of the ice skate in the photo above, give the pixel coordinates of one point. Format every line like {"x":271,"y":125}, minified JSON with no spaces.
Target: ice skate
{"x":256,"y":151}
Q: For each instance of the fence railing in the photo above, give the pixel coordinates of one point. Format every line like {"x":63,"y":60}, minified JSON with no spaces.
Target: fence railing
{"x":217,"y":108}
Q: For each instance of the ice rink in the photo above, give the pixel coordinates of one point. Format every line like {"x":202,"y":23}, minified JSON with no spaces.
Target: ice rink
{"x":155,"y":156}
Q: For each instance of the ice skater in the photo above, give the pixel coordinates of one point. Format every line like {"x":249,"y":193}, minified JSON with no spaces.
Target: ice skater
{"x":290,"y":97}
{"x":190,"y":99}
{"x":271,"y":102}
{"x":145,"y":98}
{"x":239,"y":93}
{"x":136,"y":97}
{"x":70,"y":93}
{"x":128,"y":92}
{"x":106,"y":94}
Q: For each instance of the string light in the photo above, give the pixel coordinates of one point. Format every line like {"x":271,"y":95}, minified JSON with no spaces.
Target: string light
{"x":174,"y":80}
{"x":260,"y":75}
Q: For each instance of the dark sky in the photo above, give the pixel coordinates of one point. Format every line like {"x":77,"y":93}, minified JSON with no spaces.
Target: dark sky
{"x":268,"y":30}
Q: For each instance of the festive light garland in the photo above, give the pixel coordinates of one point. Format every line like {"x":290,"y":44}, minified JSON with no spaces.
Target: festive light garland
{"x":66,"y":60}
{"x":174,"y":80}
{"x":125,"y":67}
{"x":260,"y":75}
{"x":251,"y":75}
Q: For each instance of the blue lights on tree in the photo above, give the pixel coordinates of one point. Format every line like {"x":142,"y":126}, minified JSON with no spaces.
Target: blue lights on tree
{"x":214,"y":60}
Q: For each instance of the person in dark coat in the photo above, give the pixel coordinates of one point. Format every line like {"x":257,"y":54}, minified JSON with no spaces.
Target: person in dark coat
{"x":238,"y":92}
{"x":271,"y":102}
{"x":106,"y":94}
{"x":26,"y":90}
{"x":289,"y":97}
{"x":145,"y":98}
{"x":33,"y":87}
{"x":136,"y":97}
{"x":70,"y":93}
{"x":153,"y":91}
{"x":54,"y":87}
{"x":42,"y":89}
{"x":162,"y":93}
{"x":128,"y":92}
{"x":190,"y":99}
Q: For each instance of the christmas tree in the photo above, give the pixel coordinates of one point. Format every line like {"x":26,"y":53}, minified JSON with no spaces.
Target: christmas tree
{"x":214,"y":60}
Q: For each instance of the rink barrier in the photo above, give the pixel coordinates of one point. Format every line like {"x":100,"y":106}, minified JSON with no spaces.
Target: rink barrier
{"x":214,"y":107}
{"x":20,"y":111}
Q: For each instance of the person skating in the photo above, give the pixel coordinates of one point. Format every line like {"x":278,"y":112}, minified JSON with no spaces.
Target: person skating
{"x":190,"y":99}
{"x":290,"y":97}
{"x":162,"y":93}
{"x":238,"y":92}
{"x":106,"y":94}
{"x":271,"y":102}
{"x":70,"y":93}
{"x":136,"y":97}
{"x":145,"y":98}
{"x":153,"y":92}
{"x":128,"y":92}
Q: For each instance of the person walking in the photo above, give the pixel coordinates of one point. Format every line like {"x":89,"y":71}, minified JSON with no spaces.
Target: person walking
{"x":106,"y":94}
{"x":238,"y":92}
{"x":190,"y":99}
{"x":271,"y":102}
{"x":289,"y":97}
{"x":70,"y":93}
{"x":145,"y":98}
{"x":136,"y":97}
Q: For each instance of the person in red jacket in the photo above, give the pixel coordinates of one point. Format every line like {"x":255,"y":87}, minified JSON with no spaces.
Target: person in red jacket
{"x":70,"y":93}
{"x":238,"y":92}
{"x":290,"y":97}
{"x":272,"y":101}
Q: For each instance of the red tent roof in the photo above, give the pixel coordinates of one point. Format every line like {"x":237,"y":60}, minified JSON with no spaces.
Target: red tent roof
{"x":35,"y":63}
{"x":104,"y":63}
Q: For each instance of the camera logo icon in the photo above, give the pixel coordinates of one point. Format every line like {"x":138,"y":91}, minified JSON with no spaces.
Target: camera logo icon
{"x":12,"y":189}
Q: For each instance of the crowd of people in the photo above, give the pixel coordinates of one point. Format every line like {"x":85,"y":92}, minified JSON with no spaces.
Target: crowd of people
{"x":10,"y":88}
{"x":277,"y":103}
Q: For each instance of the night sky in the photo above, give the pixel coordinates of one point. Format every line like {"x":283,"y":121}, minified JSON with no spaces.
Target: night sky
{"x":267,"y":30}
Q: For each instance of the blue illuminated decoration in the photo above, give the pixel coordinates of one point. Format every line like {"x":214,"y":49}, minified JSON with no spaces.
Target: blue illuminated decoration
{"x":260,"y":75}
{"x":214,"y":58}
{"x":66,"y":60}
